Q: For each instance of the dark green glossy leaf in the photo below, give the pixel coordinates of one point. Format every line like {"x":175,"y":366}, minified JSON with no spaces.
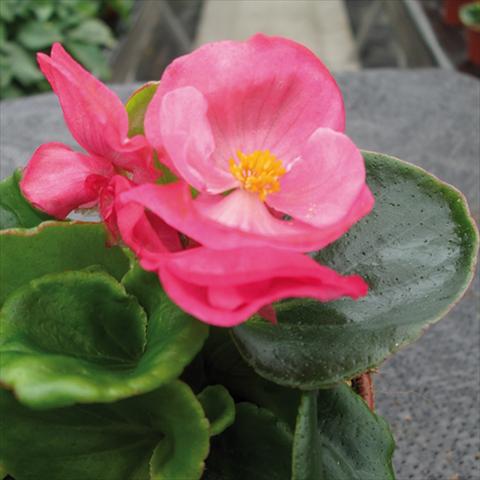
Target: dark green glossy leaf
{"x":136,"y":107}
{"x":223,"y":364}
{"x":78,"y":337}
{"x":219,"y":408}
{"x":15,"y":211}
{"x":417,"y":251}
{"x":55,"y":247}
{"x":257,"y":446}
{"x":162,"y":435}
{"x":337,"y":437}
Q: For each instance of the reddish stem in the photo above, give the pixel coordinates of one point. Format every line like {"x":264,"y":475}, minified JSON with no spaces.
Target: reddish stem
{"x":363,"y":385}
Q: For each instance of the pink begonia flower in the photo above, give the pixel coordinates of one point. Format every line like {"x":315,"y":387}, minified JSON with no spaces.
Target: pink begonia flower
{"x":145,"y":233}
{"x":226,"y":287}
{"x":57,"y":180}
{"x":256,"y":128}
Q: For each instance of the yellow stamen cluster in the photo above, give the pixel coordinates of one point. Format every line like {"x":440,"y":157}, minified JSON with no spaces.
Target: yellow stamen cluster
{"x":258,"y":172}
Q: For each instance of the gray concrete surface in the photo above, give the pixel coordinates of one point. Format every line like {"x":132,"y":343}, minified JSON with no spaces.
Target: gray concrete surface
{"x":429,"y":392}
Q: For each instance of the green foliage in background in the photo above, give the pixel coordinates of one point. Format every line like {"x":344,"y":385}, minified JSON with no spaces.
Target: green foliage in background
{"x":85,"y":27}
{"x":470,"y":15}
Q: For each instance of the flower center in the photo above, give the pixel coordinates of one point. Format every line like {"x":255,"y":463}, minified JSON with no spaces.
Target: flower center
{"x":258,"y":172}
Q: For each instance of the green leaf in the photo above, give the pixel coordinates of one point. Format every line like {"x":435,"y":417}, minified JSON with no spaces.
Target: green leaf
{"x":68,"y":337}
{"x":6,"y":74}
{"x":93,"y":31}
{"x":121,"y":7}
{"x":80,"y":9}
{"x":36,"y":35}
{"x":168,"y":176}
{"x":164,"y":433}
{"x":7,"y":10}
{"x":15,"y":211}
{"x":416,"y":250}
{"x":90,"y":56}
{"x":223,"y":364}
{"x":136,"y":107}
{"x":219,"y":408}
{"x":257,"y":446}
{"x":55,"y":247}
{"x":86,"y":8}
{"x":43,"y":9}
{"x":338,"y":437}
{"x":23,"y":65}
{"x":3,"y":33}
{"x":11,"y":91}
{"x":79,"y":337}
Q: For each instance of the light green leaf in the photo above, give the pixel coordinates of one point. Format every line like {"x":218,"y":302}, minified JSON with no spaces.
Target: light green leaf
{"x":54,"y":247}
{"x":90,"y":56}
{"x":36,"y":35}
{"x":6,"y":75}
{"x":416,"y":250}
{"x":7,"y":10}
{"x":257,"y":446}
{"x":81,"y":9}
{"x":15,"y":211}
{"x":93,"y":31}
{"x":162,"y":435}
{"x":71,"y":337}
{"x":23,"y":65}
{"x":43,"y":9}
{"x":78,"y":337}
{"x":219,"y":408}
{"x":338,"y":437}
{"x":136,"y":107}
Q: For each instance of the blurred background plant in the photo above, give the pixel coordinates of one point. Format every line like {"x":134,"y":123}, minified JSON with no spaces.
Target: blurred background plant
{"x":88,"y":29}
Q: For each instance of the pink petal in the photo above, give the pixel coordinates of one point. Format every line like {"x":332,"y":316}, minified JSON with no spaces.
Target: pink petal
{"x":236,"y":220}
{"x":107,"y":204}
{"x":324,"y":183}
{"x":58,"y":180}
{"x":146,"y":234}
{"x":265,"y":93}
{"x":225,"y":288}
{"x":94,"y":114}
{"x":188,"y":140}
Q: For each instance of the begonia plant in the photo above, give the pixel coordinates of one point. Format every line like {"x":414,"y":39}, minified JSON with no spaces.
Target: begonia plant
{"x":249,"y":269}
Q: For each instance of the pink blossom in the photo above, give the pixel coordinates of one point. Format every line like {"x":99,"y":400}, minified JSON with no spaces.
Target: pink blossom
{"x":222,"y":287}
{"x":146,"y":234}
{"x":57,"y":179}
{"x":256,"y":128}
{"x":227,"y":287}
